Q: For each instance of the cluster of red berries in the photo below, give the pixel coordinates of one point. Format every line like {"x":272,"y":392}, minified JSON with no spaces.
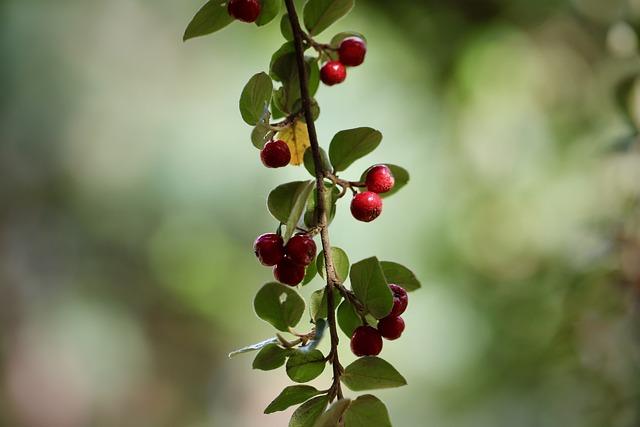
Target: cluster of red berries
{"x":351,"y":53}
{"x":244,"y":10}
{"x":290,"y":260}
{"x":367,"y":341}
{"x":367,"y":206}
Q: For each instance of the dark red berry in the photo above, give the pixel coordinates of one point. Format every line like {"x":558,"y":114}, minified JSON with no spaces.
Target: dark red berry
{"x":269,"y":249}
{"x":288,"y":272}
{"x":380,"y":179}
{"x":352,"y":51}
{"x":333,"y":72}
{"x":301,"y":249}
{"x":275,"y":154}
{"x":366,"y":341}
{"x":400,"y":300}
{"x":244,"y":10}
{"x":366,"y":206}
{"x":391,"y":327}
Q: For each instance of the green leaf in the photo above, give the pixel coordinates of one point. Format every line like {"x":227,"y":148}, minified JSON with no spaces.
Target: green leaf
{"x":340,"y":263}
{"x":400,"y":275}
{"x":269,"y":10}
{"x":333,"y":414}
{"x":307,"y":414}
{"x":304,"y":366}
{"x":370,"y":286}
{"x":286,"y":203}
{"x":255,"y":98}
{"x":253,"y":347}
{"x":213,"y":16}
{"x":368,"y":373}
{"x":290,"y":396}
{"x":285,"y":27}
{"x":260,"y":134}
{"x":349,"y":145}
{"x":337,"y":39}
{"x":367,"y":411}
{"x":348,"y":318}
{"x":285,"y":68}
{"x":318,"y":303}
{"x":279,"y":305}
{"x":400,"y":175}
{"x":310,"y":273}
{"x":331,"y":197}
{"x":320,"y":14}
{"x":310,"y":165}
{"x":270,"y":357}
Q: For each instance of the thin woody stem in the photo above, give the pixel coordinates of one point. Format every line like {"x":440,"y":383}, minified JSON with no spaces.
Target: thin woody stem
{"x":332,"y":280}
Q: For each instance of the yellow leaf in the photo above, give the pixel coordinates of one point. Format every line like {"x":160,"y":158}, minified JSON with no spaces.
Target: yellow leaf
{"x":297,"y":138}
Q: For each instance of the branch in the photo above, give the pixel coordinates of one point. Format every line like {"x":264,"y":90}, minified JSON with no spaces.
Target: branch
{"x":332,"y":279}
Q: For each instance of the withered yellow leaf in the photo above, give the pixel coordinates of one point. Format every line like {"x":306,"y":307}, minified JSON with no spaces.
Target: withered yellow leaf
{"x":297,"y":138}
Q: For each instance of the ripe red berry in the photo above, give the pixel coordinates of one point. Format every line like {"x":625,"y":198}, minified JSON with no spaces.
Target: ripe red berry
{"x":352,"y":51}
{"x":269,"y":249}
{"x":301,"y":249}
{"x":400,"y":300}
{"x":366,"y":341}
{"x":333,"y":72}
{"x":379,"y":179}
{"x":244,"y":10}
{"x":289,"y":272}
{"x":366,"y":206}
{"x":275,"y":154}
{"x":391,"y":327}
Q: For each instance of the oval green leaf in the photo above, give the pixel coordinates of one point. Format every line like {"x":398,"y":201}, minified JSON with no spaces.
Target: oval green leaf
{"x":320,"y":14}
{"x":269,"y":10}
{"x":270,"y":357}
{"x":310,"y":273}
{"x":400,"y":275}
{"x":369,"y":373}
{"x":307,"y":414}
{"x":348,"y":318}
{"x":213,"y":16}
{"x":286,"y":203}
{"x":333,"y":414}
{"x":290,"y":396}
{"x":340,"y":263}
{"x":367,"y":411}
{"x":255,"y":98}
{"x":304,"y":366}
{"x":370,"y":286}
{"x":279,"y":305}
{"x":349,"y":145}
{"x":318,"y":303}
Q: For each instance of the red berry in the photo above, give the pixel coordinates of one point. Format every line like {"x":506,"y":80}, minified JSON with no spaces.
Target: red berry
{"x":301,"y":249}
{"x":352,"y":51}
{"x":380,"y":179}
{"x":275,"y":154}
{"x":400,"y":300}
{"x":333,"y":72}
{"x":269,"y":249}
{"x":391,"y":327}
{"x":289,"y":272}
{"x":366,"y":341}
{"x":366,"y":206}
{"x":244,"y":10}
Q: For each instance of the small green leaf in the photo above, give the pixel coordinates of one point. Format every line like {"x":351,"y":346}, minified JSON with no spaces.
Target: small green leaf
{"x":347,"y":146}
{"x":213,"y":16}
{"x":255,"y":98}
{"x":307,"y":414}
{"x":286,"y":203}
{"x":304,"y":366}
{"x":340,"y":263}
{"x":368,"y":373}
{"x":269,"y":10}
{"x":310,"y":273}
{"x":290,"y":396}
{"x":333,"y":414}
{"x":331,"y":197}
{"x":367,"y":411}
{"x":318,"y":303}
{"x":400,"y":175}
{"x":400,"y":275}
{"x":270,"y":357}
{"x":279,"y":305}
{"x":282,"y":62}
{"x":370,"y":286}
{"x":310,"y":165}
{"x":348,"y":318}
{"x":260,"y":134}
{"x":253,"y":347}
{"x":320,"y":14}
{"x":337,"y":39}
{"x":285,"y":27}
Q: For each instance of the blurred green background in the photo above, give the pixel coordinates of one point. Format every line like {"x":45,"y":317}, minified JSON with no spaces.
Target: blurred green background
{"x":130,"y":195}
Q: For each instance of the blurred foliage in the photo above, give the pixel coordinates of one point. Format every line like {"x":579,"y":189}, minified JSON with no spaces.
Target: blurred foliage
{"x":131,"y":194}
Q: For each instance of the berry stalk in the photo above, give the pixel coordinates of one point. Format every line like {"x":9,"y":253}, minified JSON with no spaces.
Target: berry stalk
{"x":332,"y":278}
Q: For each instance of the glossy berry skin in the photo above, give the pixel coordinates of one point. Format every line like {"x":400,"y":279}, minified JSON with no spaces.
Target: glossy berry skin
{"x":288,"y":272}
{"x":333,"y":72}
{"x":269,"y":249}
{"x":366,"y":341}
{"x":400,"y":300}
{"x":366,"y":206}
{"x":301,"y":249}
{"x":244,"y":10}
{"x":275,"y":154}
{"x":379,"y":179}
{"x":391,"y":327}
{"x":352,"y":51}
